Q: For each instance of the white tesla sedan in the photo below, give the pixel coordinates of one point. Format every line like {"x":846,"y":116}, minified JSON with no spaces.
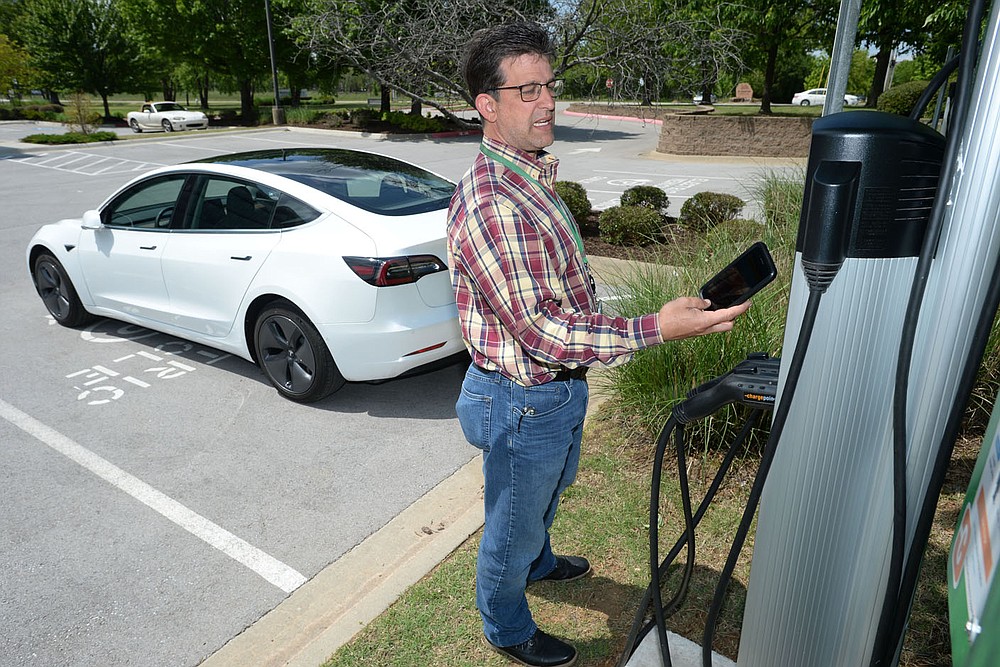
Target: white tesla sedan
{"x":321,"y":265}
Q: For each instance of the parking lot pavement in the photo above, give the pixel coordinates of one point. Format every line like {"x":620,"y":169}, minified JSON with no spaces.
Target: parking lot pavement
{"x":125,"y":504}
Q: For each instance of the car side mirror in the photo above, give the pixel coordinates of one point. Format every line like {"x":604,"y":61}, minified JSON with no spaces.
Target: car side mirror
{"x":92,"y":220}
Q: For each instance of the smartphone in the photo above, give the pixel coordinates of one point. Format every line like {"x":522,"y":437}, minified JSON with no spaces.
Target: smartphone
{"x":745,"y":276}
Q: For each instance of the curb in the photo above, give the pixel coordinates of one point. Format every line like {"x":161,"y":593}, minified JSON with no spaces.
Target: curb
{"x":326,"y":612}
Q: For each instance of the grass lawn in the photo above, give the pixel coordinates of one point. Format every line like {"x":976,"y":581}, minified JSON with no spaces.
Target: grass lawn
{"x":604,"y":516}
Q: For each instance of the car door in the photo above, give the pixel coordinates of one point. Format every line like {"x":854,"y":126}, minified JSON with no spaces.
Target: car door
{"x":216,"y":250}
{"x":121,"y":259}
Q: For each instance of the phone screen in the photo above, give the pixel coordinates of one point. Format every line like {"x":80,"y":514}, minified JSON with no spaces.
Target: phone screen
{"x":744,"y":277}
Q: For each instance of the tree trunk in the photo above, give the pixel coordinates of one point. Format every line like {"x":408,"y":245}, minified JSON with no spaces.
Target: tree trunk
{"x":882,"y":61}
{"x":107,"y":109}
{"x":416,"y":108}
{"x":247,"y":113}
{"x":52,"y":96}
{"x":769,"y":70}
{"x":203,"y":92}
{"x":169,"y":90}
{"x":386,"y":106}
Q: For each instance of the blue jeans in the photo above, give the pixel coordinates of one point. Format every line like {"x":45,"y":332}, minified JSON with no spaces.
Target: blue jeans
{"x":530,"y":437}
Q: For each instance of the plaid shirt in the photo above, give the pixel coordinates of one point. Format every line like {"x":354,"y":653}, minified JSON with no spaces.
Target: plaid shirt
{"x":524,"y":294}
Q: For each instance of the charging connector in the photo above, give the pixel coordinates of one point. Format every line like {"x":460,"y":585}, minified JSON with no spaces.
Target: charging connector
{"x":754,"y":383}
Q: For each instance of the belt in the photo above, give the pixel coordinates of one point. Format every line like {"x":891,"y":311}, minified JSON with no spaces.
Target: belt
{"x":567,"y":374}
{"x":562,"y":375}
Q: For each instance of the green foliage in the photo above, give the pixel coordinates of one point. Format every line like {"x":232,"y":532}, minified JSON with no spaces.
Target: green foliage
{"x":49,"y":112}
{"x":15,"y":71}
{"x":859,"y":79}
{"x":902,"y":98}
{"x":80,"y":45}
{"x":986,"y":389}
{"x":69,"y":138}
{"x":657,"y":378}
{"x":707,"y":209}
{"x":629,"y":225}
{"x":575,"y":197}
{"x":414,"y":123}
{"x":649,"y":196}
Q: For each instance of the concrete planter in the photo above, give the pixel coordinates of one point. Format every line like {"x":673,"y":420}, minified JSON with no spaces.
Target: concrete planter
{"x":748,"y":136}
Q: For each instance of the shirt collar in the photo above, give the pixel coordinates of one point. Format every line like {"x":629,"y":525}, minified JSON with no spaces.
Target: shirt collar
{"x":541,"y":166}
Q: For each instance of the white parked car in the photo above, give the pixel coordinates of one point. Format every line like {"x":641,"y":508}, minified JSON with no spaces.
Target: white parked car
{"x":818,"y":96}
{"x":321,"y":265}
{"x":166,"y":116}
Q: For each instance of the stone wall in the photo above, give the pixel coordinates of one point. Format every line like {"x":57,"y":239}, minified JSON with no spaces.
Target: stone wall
{"x":751,"y":136}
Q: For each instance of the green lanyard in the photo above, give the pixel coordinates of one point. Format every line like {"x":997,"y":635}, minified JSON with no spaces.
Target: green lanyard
{"x":556,"y":201}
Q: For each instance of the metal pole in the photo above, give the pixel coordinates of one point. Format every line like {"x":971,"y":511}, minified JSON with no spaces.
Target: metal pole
{"x":277,"y":113}
{"x":840,"y":57}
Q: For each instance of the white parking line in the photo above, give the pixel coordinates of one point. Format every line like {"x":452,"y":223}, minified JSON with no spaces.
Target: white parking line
{"x":271,"y":569}
{"x":86,"y":164}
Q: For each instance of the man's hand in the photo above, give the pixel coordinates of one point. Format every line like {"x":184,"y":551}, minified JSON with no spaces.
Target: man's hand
{"x":686,"y":317}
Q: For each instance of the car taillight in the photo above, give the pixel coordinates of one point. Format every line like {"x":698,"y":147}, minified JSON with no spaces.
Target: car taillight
{"x":388,"y":271}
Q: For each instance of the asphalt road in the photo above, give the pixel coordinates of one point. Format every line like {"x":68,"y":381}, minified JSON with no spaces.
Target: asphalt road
{"x":158,"y":496}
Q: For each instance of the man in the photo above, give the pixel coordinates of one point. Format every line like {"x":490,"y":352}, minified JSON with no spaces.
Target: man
{"x":529,"y":317}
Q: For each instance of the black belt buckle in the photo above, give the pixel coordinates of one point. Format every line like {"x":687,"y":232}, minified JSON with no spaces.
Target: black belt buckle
{"x":567,"y":374}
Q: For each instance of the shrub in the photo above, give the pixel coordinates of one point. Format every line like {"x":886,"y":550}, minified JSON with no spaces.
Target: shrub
{"x":363,"y":116}
{"x":414,"y":123}
{"x":69,"y":138}
{"x":649,"y":196}
{"x":629,"y":225}
{"x":902,"y":98}
{"x":575,"y":197}
{"x":708,"y":209}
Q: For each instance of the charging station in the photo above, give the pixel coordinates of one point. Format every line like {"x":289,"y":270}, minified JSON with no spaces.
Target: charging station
{"x":896,"y":281}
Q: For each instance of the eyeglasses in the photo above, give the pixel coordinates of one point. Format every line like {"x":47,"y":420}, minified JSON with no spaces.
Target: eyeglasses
{"x":532,"y":91}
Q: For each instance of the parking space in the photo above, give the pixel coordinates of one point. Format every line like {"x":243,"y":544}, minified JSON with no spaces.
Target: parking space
{"x":159,"y":496}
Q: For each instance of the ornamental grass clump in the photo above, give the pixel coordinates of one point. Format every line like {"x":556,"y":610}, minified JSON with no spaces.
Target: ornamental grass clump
{"x":657,"y":378}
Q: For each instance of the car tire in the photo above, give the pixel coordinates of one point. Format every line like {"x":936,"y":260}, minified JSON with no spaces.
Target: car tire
{"x":167,"y":127}
{"x":804,"y":103}
{"x":134,"y":124}
{"x":57,"y":292}
{"x":293,"y":355}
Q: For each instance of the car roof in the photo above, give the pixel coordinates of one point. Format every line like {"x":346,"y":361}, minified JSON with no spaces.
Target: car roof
{"x":341,"y":173}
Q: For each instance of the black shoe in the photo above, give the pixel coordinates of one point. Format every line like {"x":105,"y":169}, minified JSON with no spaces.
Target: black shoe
{"x":568,"y":568}
{"x":541,"y":650}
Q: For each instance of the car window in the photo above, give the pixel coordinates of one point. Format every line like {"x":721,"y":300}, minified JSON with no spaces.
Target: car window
{"x":291,"y":212}
{"x":375,"y":183}
{"x":148,"y":205}
{"x":227,"y":204}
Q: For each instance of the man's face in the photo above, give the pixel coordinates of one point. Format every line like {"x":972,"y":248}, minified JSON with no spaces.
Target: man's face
{"x":524,"y":125}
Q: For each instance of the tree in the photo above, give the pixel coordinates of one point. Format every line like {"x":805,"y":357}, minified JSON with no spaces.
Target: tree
{"x":80,"y":45}
{"x":777,"y":24}
{"x":225,"y":37}
{"x":887,"y":24}
{"x":414,"y":47}
{"x":15,"y":71}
